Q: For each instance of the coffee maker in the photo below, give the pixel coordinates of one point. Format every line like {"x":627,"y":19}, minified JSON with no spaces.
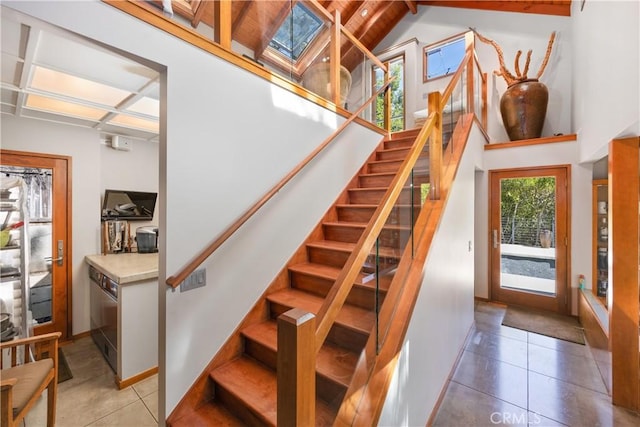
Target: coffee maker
{"x":147,"y":239}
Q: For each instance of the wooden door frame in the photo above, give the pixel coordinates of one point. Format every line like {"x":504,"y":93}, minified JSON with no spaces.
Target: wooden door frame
{"x":68,"y":250}
{"x":533,"y":171}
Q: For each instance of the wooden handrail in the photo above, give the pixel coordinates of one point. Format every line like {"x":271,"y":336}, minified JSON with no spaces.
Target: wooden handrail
{"x":342,"y":286}
{"x":176,"y":279}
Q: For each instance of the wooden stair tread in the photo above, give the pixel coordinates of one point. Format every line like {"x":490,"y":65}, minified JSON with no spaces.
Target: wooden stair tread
{"x":399,"y":161}
{"x":363,"y":225}
{"x":257,"y":386}
{"x":395,"y":149}
{"x":349,"y":247}
{"x":332,"y":361}
{"x":355,"y":318}
{"x":356,"y":205}
{"x":369,"y":174}
{"x":367,"y":206}
{"x":209,"y":414}
{"x":331,"y":273}
{"x":365,"y":189}
{"x":252,"y":383}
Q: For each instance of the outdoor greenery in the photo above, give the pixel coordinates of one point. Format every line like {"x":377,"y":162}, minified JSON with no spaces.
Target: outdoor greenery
{"x":527,"y":208}
{"x":397,"y":95}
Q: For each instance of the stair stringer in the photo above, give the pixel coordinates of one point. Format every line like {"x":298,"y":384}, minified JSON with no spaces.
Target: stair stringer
{"x":202,"y":390}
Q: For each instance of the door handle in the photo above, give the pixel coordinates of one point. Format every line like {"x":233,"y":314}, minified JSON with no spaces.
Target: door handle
{"x":60,"y":256}
{"x":495,"y":238}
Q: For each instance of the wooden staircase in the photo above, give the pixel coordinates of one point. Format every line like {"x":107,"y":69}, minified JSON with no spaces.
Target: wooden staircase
{"x":239,"y":386}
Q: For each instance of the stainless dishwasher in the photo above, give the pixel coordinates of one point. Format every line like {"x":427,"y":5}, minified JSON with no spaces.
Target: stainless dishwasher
{"x":104,"y":315}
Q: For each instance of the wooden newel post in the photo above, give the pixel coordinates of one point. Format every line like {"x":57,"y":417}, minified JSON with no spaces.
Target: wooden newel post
{"x":296,"y":369}
{"x":435,"y":145}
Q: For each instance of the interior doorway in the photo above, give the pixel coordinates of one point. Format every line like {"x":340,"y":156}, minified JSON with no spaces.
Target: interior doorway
{"x":529,"y":235}
{"x":48,"y":276}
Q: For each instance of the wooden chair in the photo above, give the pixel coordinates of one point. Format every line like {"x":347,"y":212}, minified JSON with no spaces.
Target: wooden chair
{"x":33,"y":368}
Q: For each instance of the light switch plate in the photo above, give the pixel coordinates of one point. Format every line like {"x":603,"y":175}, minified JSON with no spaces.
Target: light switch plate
{"x":197,"y":279}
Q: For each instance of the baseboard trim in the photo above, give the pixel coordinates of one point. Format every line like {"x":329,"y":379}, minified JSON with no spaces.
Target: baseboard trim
{"x":134,"y":379}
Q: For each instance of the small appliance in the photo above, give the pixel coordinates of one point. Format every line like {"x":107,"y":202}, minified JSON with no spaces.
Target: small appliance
{"x":147,"y":239}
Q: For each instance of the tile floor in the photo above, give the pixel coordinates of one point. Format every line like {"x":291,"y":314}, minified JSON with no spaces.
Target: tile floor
{"x":91,"y":397}
{"x":505,"y":377}
{"x":508,"y":376}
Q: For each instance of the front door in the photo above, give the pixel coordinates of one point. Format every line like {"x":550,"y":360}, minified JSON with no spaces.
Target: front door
{"x":48,"y":189}
{"x":528,"y":239}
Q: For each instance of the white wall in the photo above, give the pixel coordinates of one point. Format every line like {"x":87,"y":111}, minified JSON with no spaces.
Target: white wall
{"x":226,"y":137}
{"x":443,"y":313}
{"x":95,"y":166}
{"x":513,"y":32}
{"x":606,"y":89}
{"x":538,"y":155}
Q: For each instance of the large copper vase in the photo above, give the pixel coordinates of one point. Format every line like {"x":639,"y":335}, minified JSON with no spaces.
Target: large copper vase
{"x":523,"y":107}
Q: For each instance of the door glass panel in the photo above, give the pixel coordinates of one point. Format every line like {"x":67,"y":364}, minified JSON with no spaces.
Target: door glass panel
{"x":528,"y":234}
{"x":39,"y":237}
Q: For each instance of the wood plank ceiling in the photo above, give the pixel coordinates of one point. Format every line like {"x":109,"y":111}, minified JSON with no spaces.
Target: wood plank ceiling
{"x":254,"y":22}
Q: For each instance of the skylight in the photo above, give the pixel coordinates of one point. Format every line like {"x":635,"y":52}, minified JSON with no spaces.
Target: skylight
{"x":47,"y":80}
{"x":296,"y":32}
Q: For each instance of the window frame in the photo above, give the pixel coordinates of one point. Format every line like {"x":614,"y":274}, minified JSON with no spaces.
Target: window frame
{"x":449,"y":40}
{"x":317,"y":45}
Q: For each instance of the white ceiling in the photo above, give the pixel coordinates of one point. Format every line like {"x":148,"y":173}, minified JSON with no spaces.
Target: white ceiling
{"x":51,"y":74}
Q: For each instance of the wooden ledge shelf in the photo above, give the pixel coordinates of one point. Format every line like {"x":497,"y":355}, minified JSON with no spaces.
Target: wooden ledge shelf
{"x":534,"y":141}
{"x":598,"y":310}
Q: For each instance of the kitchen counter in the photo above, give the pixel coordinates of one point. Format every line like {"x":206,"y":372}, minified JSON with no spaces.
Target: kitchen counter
{"x":126,"y":268}
{"x":124,"y":313}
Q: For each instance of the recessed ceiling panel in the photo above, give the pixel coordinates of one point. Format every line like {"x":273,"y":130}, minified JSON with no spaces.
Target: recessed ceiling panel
{"x":11,"y":69}
{"x":134,"y":122}
{"x":8,"y":97}
{"x":147,"y":106}
{"x":11,"y":38}
{"x":92,"y":62}
{"x":59,"y":83}
{"x":43,"y":103}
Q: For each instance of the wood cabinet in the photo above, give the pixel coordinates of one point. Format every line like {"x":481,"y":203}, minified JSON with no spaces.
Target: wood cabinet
{"x":600,"y":248}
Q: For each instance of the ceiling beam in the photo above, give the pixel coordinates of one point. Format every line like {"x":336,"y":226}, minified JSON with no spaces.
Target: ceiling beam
{"x":413,"y":7}
{"x":542,"y":7}
{"x":31,"y":46}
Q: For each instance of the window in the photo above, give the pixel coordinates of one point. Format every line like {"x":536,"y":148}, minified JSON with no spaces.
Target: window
{"x":396,"y":70}
{"x":443,"y":58}
{"x":296,"y":32}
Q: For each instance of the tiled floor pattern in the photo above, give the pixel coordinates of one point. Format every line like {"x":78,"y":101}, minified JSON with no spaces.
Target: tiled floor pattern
{"x":508,"y":376}
{"x":505,"y":377}
{"x":91,"y":397}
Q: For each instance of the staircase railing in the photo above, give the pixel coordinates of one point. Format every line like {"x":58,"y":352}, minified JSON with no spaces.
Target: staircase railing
{"x":384,"y":242}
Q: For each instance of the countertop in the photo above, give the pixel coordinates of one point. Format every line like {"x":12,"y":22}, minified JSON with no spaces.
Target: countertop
{"x":126,"y":268}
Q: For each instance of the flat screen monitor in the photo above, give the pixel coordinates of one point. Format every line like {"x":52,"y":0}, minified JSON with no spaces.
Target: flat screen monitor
{"x":128,"y":205}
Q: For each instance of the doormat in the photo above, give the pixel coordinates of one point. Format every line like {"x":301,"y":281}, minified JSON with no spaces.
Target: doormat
{"x":64,"y":372}
{"x":553,"y":325}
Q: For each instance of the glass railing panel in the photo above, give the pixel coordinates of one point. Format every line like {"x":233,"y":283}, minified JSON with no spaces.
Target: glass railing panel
{"x":454,"y":108}
{"x":391,"y":242}
{"x":356,"y":79}
{"x":477,"y":86}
